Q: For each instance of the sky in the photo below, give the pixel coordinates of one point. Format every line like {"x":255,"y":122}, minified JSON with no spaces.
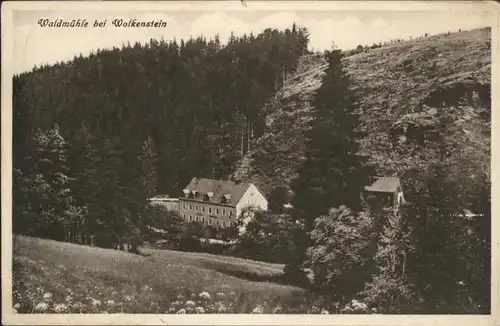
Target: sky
{"x":34,"y":45}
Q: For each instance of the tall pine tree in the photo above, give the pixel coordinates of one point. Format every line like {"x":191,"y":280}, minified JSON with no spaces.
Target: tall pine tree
{"x":333,"y":172}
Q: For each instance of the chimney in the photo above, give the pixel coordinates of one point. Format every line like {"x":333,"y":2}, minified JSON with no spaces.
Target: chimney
{"x":186,"y":193}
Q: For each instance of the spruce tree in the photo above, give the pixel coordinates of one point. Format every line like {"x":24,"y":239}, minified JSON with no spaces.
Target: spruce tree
{"x":389,"y":290}
{"x":52,"y":197}
{"x":333,"y":173}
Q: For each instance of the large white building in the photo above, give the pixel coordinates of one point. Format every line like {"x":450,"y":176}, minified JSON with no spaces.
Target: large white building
{"x":214,"y":202}
{"x":218,"y":203}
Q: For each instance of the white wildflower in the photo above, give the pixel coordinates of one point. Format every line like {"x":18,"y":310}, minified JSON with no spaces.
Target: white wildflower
{"x":95,"y":302}
{"x":17,"y":305}
{"x":347,"y":309}
{"x":47,"y":296}
{"x":41,"y":308}
{"x":220,"y":295}
{"x":199,"y":310}
{"x":221,"y":308}
{"x":205,"y":295}
{"x":181,"y":311}
{"x":277,"y":310}
{"x":78,"y":306}
{"x":59,"y":308}
{"x":324,"y":312}
{"x":129,"y":298}
{"x":110,"y":303}
{"x":315,"y":310}
{"x":190,"y":303}
{"x":258,"y":310}
{"x":359,"y":305}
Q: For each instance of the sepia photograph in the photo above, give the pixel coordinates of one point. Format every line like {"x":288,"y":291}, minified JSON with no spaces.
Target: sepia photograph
{"x":206,"y":158}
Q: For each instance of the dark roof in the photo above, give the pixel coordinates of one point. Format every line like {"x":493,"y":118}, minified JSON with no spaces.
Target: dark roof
{"x":219,"y":189}
{"x":384,"y":184}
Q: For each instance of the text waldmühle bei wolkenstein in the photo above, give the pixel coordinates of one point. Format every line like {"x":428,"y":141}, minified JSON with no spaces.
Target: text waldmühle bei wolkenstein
{"x":117,"y":22}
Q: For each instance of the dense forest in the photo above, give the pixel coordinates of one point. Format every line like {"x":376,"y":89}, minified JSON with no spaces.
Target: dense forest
{"x":96,"y":136}
{"x":122,"y":124}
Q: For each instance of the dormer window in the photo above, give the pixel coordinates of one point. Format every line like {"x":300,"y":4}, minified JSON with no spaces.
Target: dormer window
{"x":209,"y":195}
{"x":187,"y":193}
{"x":226,"y":198}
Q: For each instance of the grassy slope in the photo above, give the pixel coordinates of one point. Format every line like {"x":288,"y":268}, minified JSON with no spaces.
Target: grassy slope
{"x":392,"y":81}
{"x":398,"y":79}
{"x":87,"y":273}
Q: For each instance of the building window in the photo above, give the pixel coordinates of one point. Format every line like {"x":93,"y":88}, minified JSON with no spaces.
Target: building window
{"x":230,"y":213}
{"x":210,"y":209}
{"x":190,"y":219}
{"x":217,"y":210}
{"x":203,"y":209}
{"x":224,"y":224}
{"x":209,"y":221}
{"x":191,"y":207}
{"x":184,"y":206}
{"x":223,"y":211}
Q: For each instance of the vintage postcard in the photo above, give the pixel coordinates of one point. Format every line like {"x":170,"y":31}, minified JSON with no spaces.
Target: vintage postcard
{"x":247,"y":163}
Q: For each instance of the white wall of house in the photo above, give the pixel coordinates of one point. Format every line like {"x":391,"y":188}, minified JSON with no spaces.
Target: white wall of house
{"x":207,"y":213}
{"x":251,"y":198}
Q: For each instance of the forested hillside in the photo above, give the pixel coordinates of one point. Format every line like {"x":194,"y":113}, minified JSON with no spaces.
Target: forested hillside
{"x":424,"y":115}
{"x":99,"y":134}
{"x":404,"y":83}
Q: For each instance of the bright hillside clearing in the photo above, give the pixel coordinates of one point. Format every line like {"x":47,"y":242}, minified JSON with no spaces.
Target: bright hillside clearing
{"x":86,"y":278}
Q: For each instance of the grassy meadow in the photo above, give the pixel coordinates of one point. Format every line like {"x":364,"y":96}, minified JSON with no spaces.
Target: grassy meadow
{"x":51,"y":276}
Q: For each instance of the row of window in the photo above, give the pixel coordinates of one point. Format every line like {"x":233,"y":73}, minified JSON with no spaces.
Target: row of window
{"x":209,"y":220}
{"x":202,"y":208}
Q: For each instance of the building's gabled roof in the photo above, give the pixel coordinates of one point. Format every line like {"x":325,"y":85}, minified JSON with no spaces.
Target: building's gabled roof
{"x":384,"y":184}
{"x":219,"y":189}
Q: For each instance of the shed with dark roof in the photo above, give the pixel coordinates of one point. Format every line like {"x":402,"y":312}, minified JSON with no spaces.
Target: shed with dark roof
{"x":388,"y":188}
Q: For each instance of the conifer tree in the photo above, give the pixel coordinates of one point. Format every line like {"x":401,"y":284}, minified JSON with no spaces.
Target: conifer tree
{"x":332,"y":174}
{"x":389,"y":290}
{"x":52,"y":197}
